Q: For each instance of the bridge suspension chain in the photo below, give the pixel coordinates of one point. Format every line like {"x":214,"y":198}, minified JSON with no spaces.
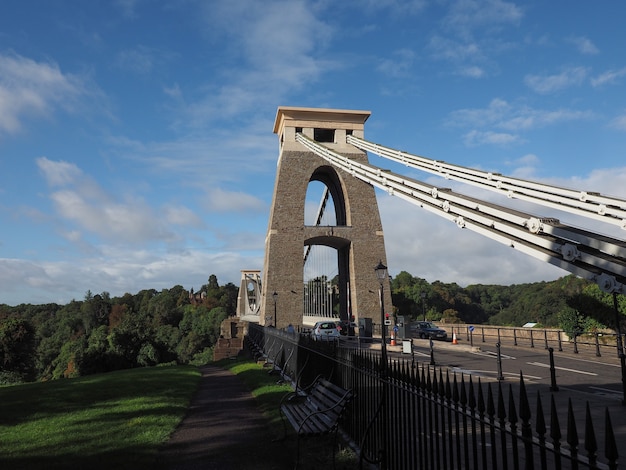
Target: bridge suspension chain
{"x":595,"y":257}
{"x":588,"y":204}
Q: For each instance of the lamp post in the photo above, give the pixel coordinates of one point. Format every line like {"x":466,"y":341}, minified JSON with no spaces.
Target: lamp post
{"x":275,"y":296}
{"x":423,"y":295}
{"x":381,"y":274}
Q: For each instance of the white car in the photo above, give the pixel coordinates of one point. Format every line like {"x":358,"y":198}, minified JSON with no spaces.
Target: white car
{"x":325,"y":331}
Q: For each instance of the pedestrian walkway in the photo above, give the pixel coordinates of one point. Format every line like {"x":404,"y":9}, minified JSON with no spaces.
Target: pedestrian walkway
{"x":224,"y":430}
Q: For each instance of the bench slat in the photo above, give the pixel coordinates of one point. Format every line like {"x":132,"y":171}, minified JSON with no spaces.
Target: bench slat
{"x":318,"y":412}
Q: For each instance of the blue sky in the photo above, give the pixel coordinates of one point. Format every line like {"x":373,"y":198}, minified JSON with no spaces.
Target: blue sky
{"x":136,"y":144}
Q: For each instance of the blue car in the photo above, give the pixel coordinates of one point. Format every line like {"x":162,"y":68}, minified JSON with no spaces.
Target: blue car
{"x":426,"y":329}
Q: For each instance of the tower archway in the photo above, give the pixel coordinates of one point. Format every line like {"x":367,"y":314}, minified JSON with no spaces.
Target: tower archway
{"x":357,"y":235}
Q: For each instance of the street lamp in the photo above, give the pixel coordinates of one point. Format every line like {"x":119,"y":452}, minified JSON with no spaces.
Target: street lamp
{"x":423,"y":294}
{"x":275,"y":296}
{"x":381,"y":274}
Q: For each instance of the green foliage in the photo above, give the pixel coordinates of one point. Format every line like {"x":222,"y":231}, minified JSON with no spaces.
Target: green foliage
{"x":102,"y":334}
{"x":17,"y":348}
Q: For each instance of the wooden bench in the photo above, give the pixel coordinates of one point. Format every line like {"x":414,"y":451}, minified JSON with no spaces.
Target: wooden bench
{"x":315,"y":411}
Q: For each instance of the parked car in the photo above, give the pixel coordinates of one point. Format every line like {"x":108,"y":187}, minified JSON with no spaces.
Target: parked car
{"x":426,"y":329}
{"x":325,"y":331}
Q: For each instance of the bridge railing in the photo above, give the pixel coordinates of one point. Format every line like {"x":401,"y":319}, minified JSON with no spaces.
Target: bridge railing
{"x":598,"y":342}
{"x":408,"y":415}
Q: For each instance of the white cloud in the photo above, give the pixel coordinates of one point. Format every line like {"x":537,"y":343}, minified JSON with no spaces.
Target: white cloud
{"x":58,"y":173}
{"x":472,"y":14}
{"x":278,"y":56}
{"x":584,"y":45}
{"x":219,"y":200}
{"x":619,"y":122}
{"x":472,"y":72}
{"x":454,"y":50}
{"x":474,"y":137}
{"x":550,"y":83}
{"x":140,"y":59}
{"x":83,"y":205}
{"x":34,"y":89}
{"x":118,"y":271}
{"x":513,"y":117}
{"x":609,"y":77}
{"x":396,"y":7}
{"x":399,"y":65}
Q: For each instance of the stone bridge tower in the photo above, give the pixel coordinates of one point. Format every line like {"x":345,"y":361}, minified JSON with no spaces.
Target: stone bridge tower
{"x":357,"y":235}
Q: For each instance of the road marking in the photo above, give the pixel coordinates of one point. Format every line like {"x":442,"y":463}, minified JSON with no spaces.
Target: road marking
{"x":490,"y":373}
{"x":492,"y":354}
{"x":539,"y":364}
{"x":607,"y":390}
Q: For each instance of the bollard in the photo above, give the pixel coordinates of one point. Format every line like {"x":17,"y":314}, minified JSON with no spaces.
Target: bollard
{"x":500,"y":376}
{"x":545,"y":337}
{"x":553,"y":386}
{"x":598,"y":345}
{"x":483,"y":331}
{"x":471,"y":338}
{"x":432,"y":353}
{"x":560,"y":343}
{"x":532,"y":340}
{"x":575,"y":342}
{"x":515,"y":336}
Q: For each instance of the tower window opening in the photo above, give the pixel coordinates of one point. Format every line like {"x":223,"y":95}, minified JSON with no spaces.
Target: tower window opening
{"x":298,"y":130}
{"x":324,"y":135}
{"x":349,"y":131}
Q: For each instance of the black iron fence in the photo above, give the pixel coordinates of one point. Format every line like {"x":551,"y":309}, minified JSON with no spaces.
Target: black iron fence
{"x":417,"y":416}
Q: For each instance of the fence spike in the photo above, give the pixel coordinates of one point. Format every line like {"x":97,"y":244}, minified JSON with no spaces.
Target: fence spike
{"x":491,"y":408}
{"x":463,"y":398}
{"x":448,"y":388}
{"x":540,"y":428}
{"x":513,"y":424}
{"x":540,"y":425}
{"x":472,"y":399}
{"x":501,"y":408}
{"x":481,"y":398}
{"x":442,"y":385}
{"x":610,"y":448}
{"x":435,"y":384}
{"x":524,"y":406}
{"x":555,"y":426}
{"x":572,"y":432}
{"x":502,"y":422}
{"x":524,"y":413}
{"x":455,"y":390}
{"x":512,"y":411}
{"x":591,"y":446}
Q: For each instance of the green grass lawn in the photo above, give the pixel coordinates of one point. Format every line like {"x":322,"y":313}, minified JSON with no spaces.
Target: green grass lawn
{"x":120,"y":419}
{"x":115,"y":420}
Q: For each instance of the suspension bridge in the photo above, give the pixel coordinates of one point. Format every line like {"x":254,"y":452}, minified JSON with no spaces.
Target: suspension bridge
{"x":322,"y":267}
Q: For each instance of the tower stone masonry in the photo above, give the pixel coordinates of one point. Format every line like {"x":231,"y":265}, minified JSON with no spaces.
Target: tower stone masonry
{"x":358,"y":234}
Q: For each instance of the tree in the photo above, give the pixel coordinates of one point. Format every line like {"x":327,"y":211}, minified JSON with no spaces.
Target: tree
{"x":17,"y":348}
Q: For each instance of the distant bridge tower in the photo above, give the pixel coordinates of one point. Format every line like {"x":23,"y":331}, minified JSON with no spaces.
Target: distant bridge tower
{"x":249,"y":299}
{"x":357,"y":235}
